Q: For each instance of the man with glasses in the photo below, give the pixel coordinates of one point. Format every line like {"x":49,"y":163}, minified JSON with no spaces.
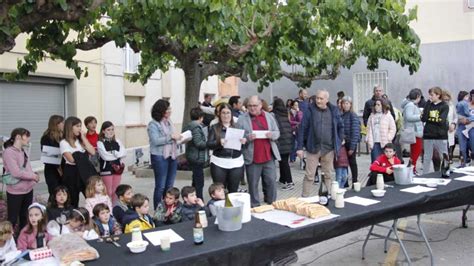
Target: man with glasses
{"x":261,"y":151}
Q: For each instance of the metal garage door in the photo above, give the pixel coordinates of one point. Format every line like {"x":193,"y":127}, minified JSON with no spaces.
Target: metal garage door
{"x":29,"y":105}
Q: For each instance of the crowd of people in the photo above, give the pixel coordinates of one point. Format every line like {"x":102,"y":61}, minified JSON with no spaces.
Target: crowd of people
{"x":323,"y":135}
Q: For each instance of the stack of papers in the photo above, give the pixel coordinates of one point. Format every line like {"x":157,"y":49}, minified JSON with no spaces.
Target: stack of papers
{"x":361,"y":201}
{"x":418,"y":189}
{"x":467,"y":178}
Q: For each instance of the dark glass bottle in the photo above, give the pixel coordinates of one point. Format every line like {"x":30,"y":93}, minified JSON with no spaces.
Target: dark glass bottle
{"x":323,"y":192}
{"x":445,"y":167}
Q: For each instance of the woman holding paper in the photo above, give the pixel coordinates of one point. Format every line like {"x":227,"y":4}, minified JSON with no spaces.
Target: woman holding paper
{"x":163,"y":137}
{"x":49,"y":144}
{"x":227,"y":164}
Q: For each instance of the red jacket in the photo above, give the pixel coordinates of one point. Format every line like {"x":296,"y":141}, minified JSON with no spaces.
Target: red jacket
{"x":381,"y":164}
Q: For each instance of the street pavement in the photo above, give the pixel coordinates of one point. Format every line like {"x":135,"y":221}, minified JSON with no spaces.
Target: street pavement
{"x":451,"y":244}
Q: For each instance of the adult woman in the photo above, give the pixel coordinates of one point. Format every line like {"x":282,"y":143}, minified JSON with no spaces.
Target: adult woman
{"x":351,"y":133}
{"x":452,"y":122}
{"x":412,"y":119}
{"x":381,"y":128}
{"x":296,"y":116}
{"x":227,"y":165}
{"x":285,"y":143}
{"x":163,"y":137}
{"x":111,"y":153}
{"x":16,"y":163}
{"x":464,"y":116}
{"x":51,"y":138}
{"x":75,"y":146}
{"x":435,"y":132}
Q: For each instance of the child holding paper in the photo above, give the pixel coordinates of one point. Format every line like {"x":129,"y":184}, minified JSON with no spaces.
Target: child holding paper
{"x":227,"y":165}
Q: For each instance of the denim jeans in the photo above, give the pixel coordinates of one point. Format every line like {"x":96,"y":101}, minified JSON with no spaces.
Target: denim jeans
{"x":376,"y":151}
{"x":341,"y":176}
{"x":165,"y":174}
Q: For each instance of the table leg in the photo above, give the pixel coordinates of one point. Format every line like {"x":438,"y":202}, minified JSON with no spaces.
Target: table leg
{"x":395,"y":232}
{"x":464,"y":216}
{"x":366,"y":240}
{"x":386,"y":240}
{"x":424,"y":238}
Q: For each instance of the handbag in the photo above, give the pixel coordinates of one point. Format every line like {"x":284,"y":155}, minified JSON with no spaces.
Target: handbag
{"x":407,"y":136}
{"x":118,"y":168}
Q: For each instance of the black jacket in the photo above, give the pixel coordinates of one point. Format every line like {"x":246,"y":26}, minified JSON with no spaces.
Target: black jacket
{"x":285,"y":142}
{"x":218,"y":149}
{"x":436,"y":122}
{"x":106,"y":166}
{"x":84,"y":166}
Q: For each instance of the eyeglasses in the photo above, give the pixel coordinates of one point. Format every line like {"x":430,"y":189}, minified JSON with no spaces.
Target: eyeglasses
{"x":252,"y":105}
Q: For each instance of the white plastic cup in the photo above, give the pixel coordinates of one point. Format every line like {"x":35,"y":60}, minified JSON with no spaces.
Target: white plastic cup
{"x":165,"y":243}
{"x":356,"y":186}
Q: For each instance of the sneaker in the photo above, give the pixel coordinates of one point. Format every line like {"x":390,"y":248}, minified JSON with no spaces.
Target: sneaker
{"x":290,"y":184}
{"x":287,"y":187}
{"x":280,"y":184}
{"x":416,"y":173}
{"x":242,"y":190}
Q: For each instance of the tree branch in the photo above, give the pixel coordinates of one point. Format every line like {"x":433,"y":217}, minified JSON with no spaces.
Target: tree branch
{"x":302,"y":77}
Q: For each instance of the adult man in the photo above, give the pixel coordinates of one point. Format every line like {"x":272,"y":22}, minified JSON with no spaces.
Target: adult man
{"x":378,"y":94}
{"x":236,"y":104}
{"x":323,"y":130}
{"x":302,"y":100}
{"x":207,"y":103}
{"x":260,"y":153}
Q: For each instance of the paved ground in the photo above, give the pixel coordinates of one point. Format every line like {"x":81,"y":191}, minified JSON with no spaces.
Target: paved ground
{"x":451,"y":244}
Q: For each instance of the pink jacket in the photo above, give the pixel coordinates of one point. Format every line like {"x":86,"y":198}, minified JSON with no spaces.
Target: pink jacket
{"x":13,"y":160}
{"x":91,"y":202}
{"x":28,"y":241}
{"x":388,"y":130}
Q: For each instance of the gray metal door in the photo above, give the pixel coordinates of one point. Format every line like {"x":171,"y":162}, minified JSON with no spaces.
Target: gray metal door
{"x":29,"y":105}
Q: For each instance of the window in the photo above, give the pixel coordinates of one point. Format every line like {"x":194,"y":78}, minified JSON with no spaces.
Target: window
{"x":131,"y":60}
{"x":363,"y":87}
{"x":133,"y":110}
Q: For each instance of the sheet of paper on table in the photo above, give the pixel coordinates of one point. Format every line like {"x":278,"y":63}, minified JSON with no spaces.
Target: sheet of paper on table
{"x":232,"y":137}
{"x":155,"y":237}
{"x":468,"y":170}
{"x":467,"y":178}
{"x":417,"y":189}
{"x":260,"y":134}
{"x":361,"y":201}
{"x":290,"y":219}
{"x":424,"y":181}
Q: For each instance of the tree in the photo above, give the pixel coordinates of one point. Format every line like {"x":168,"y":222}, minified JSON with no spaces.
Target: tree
{"x":249,"y":39}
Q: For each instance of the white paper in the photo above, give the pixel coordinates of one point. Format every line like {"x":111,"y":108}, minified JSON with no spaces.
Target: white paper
{"x":260,"y":134}
{"x":361,"y":201}
{"x":155,"y":237}
{"x":467,"y":178}
{"x":468,"y":170}
{"x":185,"y":137}
{"x":51,"y":155}
{"x":451,"y":140}
{"x":417,"y":189}
{"x":290,"y":219}
{"x":314,"y":199}
{"x":425,"y":181}
{"x":232,"y":138}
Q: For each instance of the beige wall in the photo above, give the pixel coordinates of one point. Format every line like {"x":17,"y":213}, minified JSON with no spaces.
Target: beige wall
{"x":443,"y":20}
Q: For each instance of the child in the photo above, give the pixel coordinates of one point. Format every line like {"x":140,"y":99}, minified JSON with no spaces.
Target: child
{"x":383,"y":165}
{"x":169,"y":210}
{"x":78,"y":223}
{"x":105,"y":222}
{"x":216,"y":191}
{"x":59,"y":205}
{"x":197,"y":153}
{"x":192,"y":203}
{"x":92,"y":137}
{"x":138,"y":216}
{"x":122,"y":205}
{"x":111,"y":152}
{"x":340,"y":166}
{"x":96,"y":193}
{"x":7,"y":243}
{"x":34,"y":234}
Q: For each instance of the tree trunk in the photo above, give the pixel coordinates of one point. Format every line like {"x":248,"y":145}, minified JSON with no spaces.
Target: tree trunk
{"x":193,"y":79}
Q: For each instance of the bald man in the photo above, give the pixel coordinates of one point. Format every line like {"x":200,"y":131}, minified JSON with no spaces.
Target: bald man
{"x":260,"y":153}
{"x":322,"y":132}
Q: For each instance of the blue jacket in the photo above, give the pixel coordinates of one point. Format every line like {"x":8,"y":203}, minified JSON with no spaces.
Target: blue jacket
{"x":351,"y":130}
{"x":306,"y":136}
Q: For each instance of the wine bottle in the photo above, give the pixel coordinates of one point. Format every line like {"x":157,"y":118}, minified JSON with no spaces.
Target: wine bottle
{"x":445,"y":167}
{"x":198,"y":231}
{"x":323,"y":192}
{"x":228,"y":203}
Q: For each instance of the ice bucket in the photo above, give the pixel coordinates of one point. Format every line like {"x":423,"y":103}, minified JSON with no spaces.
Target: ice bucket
{"x":229,"y":218}
{"x":403,"y":174}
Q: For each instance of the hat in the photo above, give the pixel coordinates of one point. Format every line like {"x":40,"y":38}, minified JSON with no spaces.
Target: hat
{"x":39,"y":206}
